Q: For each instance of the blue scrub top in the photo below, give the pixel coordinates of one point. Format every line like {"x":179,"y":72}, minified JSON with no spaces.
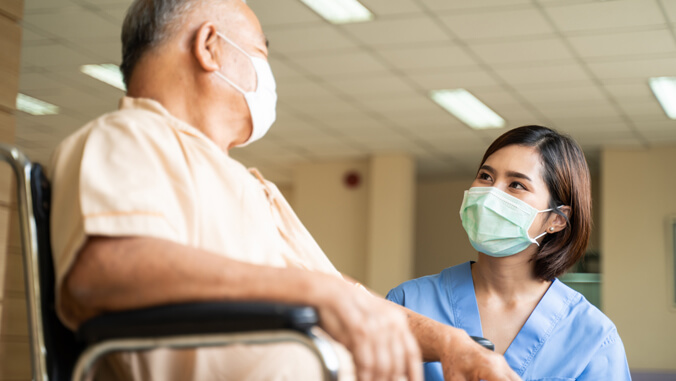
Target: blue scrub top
{"x":565,"y":337}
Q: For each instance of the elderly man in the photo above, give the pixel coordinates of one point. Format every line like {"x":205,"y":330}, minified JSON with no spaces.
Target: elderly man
{"x":149,"y":209}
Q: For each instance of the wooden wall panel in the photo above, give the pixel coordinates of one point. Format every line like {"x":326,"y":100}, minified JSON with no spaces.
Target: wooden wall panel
{"x":15,"y":356}
{"x":10,"y":46}
{"x":14,"y":344}
{"x":12,"y":9}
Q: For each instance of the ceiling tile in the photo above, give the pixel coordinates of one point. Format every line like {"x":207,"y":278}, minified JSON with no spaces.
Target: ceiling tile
{"x":384,"y":83}
{"x":391,"y":7}
{"x":446,"y":5}
{"x":452,"y":79}
{"x":116,"y":12}
{"x":36,"y":81}
{"x":398,"y":31}
{"x":311,"y":38}
{"x":645,"y":68}
{"x":549,"y":74}
{"x":45,"y":6}
{"x":549,"y":95}
{"x":300,"y":89}
{"x":670,"y":9}
{"x":624,"y":44}
{"x":635,"y":89}
{"x":74,"y":24}
{"x":664,"y":125}
{"x":588,"y":139}
{"x":348,"y":63}
{"x":500,"y":24}
{"x":109,"y":51}
{"x":641,"y":108}
{"x":59,"y":56}
{"x":605,"y":15}
{"x":513,"y":112}
{"x":438,"y":56}
{"x":573,"y":122}
{"x":34,"y":37}
{"x":283,"y":12}
{"x":495,"y":96}
{"x":531,"y":51}
{"x":658,"y":138}
{"x":325,"y":106}
{"x":588,"y":109}
{"x":399,"y":105}
{"x":284,"y":70}
{"x":71,"y":77}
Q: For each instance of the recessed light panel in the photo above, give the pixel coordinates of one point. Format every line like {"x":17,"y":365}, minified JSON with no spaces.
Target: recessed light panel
{"x":466,"y":107}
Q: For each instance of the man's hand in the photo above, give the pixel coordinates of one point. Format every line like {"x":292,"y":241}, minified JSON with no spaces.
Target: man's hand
{"x":462,"y":359}
{"x":374,"y":330}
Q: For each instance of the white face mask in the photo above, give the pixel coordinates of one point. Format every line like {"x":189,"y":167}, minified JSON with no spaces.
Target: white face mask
{"x":263,"y":101}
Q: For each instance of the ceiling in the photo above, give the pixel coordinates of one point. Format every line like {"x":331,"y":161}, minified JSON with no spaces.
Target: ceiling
{"x":355,"y":90}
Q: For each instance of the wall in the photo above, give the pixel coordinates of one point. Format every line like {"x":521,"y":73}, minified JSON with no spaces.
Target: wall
{"x":14,"y":357}
{"x":638,"y":195}
{"x":366,"y":230}
{"x":336,"y":216}
{"x":440,"y":240}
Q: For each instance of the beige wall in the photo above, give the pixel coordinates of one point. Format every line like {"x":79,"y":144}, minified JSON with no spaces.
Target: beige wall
{"x":440,"y":240}
{"x":366,"y":231}
{"x":638,"y":195}
{"x":14,"y":358}
{"x":391,"y":212}
{"x":336,"y":216}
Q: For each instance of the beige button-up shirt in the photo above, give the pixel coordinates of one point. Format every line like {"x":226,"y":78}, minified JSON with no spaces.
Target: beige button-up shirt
{"x":139,"y":171}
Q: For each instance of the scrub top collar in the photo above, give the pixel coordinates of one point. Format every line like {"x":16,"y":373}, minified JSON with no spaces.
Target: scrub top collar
{"x":534,"y":333}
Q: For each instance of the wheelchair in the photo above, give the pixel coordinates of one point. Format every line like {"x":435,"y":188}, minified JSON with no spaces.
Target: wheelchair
{"x":59,"y":354}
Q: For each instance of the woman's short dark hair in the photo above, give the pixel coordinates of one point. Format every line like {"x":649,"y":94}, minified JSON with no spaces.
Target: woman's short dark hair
{"x":566,"y":174}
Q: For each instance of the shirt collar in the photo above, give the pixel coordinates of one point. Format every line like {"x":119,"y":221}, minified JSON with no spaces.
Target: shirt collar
{"x":147,"y":104}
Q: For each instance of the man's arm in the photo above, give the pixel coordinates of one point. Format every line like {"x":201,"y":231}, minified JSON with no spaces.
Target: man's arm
{"x":112,"y":274}
{"x":461,"y":357}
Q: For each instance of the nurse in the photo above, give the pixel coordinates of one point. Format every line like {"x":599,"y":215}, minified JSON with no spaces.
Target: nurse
{"x":528,"y":214}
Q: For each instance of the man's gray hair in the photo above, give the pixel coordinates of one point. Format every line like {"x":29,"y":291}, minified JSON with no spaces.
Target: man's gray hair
{"x":149,"y":23}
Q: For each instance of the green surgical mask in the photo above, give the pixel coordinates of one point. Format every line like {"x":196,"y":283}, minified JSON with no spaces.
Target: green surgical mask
{"x":497,"y":224}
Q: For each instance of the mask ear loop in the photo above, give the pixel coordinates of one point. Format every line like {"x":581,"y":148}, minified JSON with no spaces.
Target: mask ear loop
{"x":218,"y":73}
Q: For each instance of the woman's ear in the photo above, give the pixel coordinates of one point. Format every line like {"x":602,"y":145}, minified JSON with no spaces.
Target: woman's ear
{"x":559,"y":222}
{"x":206,"y":49}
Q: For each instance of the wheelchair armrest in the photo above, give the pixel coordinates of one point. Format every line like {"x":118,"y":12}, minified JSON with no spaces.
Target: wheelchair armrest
{"x":197,"y":318}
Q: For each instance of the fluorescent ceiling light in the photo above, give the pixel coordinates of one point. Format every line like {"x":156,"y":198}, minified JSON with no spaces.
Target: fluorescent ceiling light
{"x":34,"y":106}
{"x":340,"y":11}
{"x":665,"y":91}
{"x":467,"y":108}
{"x":107,"y":73}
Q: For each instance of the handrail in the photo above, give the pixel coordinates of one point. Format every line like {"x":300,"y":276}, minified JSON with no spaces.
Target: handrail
{"x":22,"y":167}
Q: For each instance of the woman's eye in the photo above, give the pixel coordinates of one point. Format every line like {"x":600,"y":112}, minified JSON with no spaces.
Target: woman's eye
{"x":484,"y":176}
{"x":517,"y":185}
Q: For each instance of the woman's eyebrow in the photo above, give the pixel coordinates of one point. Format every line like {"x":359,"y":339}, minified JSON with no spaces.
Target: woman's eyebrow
{"x":487,"y":168}
{"x":518,"y":175}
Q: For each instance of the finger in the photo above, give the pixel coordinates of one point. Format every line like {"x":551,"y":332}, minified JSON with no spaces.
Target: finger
{"x":363,"y":361}
{"x":384,"y":347}
{"x":414,"y":367}
{"x":398,"y":352}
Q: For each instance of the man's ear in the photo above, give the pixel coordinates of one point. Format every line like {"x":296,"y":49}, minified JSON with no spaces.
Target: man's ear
{"x":559,"y":223}
{"x":206,"y":49}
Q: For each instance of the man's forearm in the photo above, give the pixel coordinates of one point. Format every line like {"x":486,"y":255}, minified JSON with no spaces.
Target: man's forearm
{"x":433,"y":337}
{"x":123,"y":273}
